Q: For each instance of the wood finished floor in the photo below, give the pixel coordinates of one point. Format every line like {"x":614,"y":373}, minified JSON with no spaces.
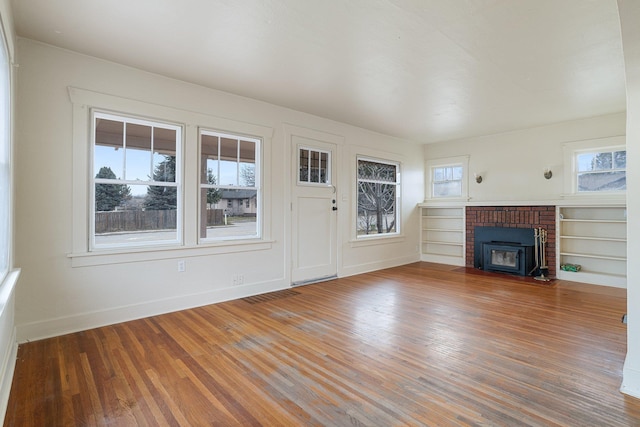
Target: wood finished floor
{"x":421,"y":344}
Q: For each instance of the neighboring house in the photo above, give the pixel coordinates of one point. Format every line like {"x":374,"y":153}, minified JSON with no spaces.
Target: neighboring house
{"x":238,"y":202}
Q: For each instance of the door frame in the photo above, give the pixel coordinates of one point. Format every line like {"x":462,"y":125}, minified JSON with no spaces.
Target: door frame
{"x":291,"y":131}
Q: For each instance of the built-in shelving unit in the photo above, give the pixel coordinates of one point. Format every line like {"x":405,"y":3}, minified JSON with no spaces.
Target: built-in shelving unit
{"x":442,"y":234}
{"x":593,"y":237}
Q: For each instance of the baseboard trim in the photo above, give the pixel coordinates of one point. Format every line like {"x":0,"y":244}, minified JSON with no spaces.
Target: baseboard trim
{"x":80,"y":322}
{"x":630,"y":380}
{"x":377,"y":265}
{"x":6,"y":374}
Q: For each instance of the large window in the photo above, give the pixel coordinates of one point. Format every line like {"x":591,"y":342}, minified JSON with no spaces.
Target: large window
{"x":229,"y":186}
{"x":5,"y":162}
{"x":378,"y":197}
{"x":602,"y":170}
{"x":136,"y":182}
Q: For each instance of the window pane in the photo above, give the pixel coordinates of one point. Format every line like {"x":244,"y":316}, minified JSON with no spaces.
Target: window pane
{"x":209,"y":152}
{"x":232,"y":216}
{"x":304,"y":165}
{"x":602,"y":181}
{"x":323,"y":167}
{"x":620,"y":160}
{"x":438,"y":174}
{"x":228,"y":161}
{"x":376,"y":171}
{"x":376,"y":208}
{"x":457,"y":172}
{"x":138,"y":152}
{"x":109,"y":146}
{"x":247,"y":163}
{"x":447,"y":189}
{"x":127,"y":214}
{"x":164,"y":147}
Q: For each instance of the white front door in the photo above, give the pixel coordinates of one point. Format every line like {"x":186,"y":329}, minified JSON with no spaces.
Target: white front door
{"x":314,"y":211}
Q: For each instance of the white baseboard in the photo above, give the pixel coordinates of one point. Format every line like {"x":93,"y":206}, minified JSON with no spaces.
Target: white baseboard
{"x":84,"y":321}
{"x":6,"y":373}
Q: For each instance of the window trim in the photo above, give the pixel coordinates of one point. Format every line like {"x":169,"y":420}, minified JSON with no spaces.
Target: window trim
{"x":257,"y":186}
{"x":431,"y":164}
{"x":6,"y":169}
{"x":398,"y":199}
{"x":571,"y":150}
{"x":178,"y":184}
{"x":83,"y":101}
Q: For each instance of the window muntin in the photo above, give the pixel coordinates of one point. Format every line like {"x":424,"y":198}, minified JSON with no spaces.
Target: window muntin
{"x":229,"y":187}
{"x":314,"y":166}
{"x":378,"y":197}
{"x":136,"y":182}
{"x":5,"y":161}
{"x":446,"y":181}
{"x":601,"y":171}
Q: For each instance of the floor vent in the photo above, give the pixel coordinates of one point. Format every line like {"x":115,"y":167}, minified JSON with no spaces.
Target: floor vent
{"x":271,"y":296}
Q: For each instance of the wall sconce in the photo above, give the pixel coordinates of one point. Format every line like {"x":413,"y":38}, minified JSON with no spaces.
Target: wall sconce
{"x":478,"y":177}
{"x":547,"y":173}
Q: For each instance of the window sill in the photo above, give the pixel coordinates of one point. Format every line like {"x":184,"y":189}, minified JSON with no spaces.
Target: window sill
{"x":122,"y":256}
{"x":377,"y":240}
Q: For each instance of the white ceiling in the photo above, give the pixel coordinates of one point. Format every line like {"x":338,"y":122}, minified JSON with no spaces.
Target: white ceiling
{"x":427,"y":70}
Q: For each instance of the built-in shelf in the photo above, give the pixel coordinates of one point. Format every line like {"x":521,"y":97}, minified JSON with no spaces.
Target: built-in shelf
{"x":593,"y":237}
{"x":442,"y":237}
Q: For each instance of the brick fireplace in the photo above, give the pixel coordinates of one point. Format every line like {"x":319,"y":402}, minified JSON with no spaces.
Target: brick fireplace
{"x":512,"y":217}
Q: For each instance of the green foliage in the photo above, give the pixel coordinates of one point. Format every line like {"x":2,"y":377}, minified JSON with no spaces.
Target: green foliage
{"x":109,"y":196}
{"x":213,"y":194}
{"x":160,"y":197}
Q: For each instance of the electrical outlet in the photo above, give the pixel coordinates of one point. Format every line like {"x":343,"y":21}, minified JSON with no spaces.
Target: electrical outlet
{"x":238,"y":279}
{"x":182,"y":266}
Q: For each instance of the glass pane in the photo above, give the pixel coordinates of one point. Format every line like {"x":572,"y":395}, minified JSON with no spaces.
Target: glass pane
{"x":232,"y":216}
{"x":304,"y":165}
{"x":247,"y":163}
{"x":447,"y":189}
{"x":457,"y":172}
{"x":124,"y":214}
{"x":164,"y":147}
{"x":594,"y":161}
{"x":620,"y":160}
{"x":165,"y":169}
{"x":324,"y":162}
{"x":138,"y":152}
{"x":209,"y":153}
{"x":109,"y":147}
{"x":602,"y":181}
{"x":376,"y":208}
{"x":228,"y":161}
{"x":376,"y":171}
{"x":505,"y":258}
{"x":438,"y":174}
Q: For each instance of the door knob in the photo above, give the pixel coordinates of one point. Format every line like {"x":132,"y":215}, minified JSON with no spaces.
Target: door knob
{"x":334,"y":208}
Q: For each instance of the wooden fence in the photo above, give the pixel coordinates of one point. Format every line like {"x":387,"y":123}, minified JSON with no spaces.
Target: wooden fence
{"x":110,"y":222}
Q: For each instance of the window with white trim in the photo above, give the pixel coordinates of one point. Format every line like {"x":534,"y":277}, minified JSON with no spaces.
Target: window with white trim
{"x":136,"y":173}
{"x":229,"y":182}
{"x":600,"y":171}
{"x":447,"y":178}
{"x":378,"y":197}
{"x":5,"y":161}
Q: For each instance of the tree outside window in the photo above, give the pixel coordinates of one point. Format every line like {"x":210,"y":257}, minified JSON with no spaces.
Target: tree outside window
{"x":378,"y":194}
{"x":601,"y":171}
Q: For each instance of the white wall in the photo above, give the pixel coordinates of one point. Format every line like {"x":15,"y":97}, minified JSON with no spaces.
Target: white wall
{"x":629,"y":17}
{"x":56,"y":298}
{"x":512,"y":164}
{"x":8,"y":345}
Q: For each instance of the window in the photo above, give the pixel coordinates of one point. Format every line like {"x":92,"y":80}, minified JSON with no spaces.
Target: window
{"x":136,"y":196}
{"x":378,"y":197}
{"x":229,"y":171}
{"x":314,"y":166}
{"x":598,"y":171}
{"x":5,"y":161}
{"x":446,"y":181}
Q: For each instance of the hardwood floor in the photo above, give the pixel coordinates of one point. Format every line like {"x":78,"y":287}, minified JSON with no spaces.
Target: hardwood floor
{"x":421,"y":344}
